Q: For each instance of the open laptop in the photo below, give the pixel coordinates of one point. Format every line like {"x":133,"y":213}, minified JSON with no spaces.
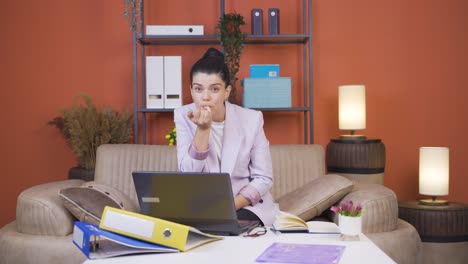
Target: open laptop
{"x":201,"y":200}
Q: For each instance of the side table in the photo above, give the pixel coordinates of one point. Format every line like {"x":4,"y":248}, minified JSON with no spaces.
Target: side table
{"x":443,"y":230}
{"x":361,"y":160}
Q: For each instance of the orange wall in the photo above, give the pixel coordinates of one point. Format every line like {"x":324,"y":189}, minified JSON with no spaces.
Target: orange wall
{"x":409,"y":54}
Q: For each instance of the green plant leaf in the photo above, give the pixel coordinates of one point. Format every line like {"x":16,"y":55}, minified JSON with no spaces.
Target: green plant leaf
{"x":232,"y":40}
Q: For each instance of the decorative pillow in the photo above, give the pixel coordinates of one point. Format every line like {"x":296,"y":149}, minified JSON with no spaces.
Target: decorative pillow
{"x":87,"y":202}
{"x":318,"y":195}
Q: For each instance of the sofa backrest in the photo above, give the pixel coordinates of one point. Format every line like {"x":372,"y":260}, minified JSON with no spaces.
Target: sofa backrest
{"x":293,"y":165}
{"x":115,"y":163}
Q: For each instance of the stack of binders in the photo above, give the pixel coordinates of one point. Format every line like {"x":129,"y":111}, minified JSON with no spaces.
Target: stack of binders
{"x":163,"y":82}
{"x":122,"y":232}
{"x":265,"y":89}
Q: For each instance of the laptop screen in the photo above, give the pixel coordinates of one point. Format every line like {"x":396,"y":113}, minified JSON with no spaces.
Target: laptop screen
{"x":186,"y":197}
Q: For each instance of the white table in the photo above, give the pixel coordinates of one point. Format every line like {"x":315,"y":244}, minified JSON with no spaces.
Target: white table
{"x":246,"y":249}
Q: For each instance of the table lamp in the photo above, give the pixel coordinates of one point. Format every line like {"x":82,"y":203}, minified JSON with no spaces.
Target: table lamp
{"x":352,"y":110}
{"x":354,"y":156}
{"x":433,"y":174}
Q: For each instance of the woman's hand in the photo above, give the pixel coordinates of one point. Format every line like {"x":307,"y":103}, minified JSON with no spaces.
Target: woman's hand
{"x":240,"y":202}
{"x":201,"y":117}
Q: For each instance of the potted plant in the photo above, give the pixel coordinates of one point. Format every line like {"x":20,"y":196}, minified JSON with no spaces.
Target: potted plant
{"x":349,"y":218}
{"x":232,"y":41}
{"x":86,"y":127}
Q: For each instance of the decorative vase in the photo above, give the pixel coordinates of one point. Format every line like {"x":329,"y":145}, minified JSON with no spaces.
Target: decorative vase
{"x":350,"y":226}
{"x":81,"y":174}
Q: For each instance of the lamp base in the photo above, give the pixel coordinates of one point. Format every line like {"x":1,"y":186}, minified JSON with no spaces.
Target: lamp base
{"x":352,"y":137}
{"x":433,"y":202}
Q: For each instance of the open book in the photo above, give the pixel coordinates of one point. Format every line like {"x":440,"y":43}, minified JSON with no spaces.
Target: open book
{"x":288,"y":223}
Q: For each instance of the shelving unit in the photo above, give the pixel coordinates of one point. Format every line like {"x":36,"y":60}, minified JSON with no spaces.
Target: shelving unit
{"x":304,"y":39}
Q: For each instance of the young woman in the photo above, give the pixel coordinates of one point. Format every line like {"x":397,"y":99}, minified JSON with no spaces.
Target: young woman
{"x":214,"y":135}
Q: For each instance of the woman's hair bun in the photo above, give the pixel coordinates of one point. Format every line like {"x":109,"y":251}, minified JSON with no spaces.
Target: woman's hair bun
{"x":212,"y":62}
{"x":212,"y":52}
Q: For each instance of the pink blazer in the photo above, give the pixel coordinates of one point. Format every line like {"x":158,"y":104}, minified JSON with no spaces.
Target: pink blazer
{"x":245,"y":154}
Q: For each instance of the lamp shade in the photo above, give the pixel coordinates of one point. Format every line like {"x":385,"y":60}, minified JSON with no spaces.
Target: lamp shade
{"x":352,"y":107}
{"x":433,"y":171}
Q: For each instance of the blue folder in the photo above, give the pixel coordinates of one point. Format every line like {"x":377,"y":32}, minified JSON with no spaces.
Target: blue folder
{"x":96,"y":243}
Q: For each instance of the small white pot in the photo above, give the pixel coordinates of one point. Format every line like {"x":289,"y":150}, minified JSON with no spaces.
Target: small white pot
{"x":350,"y":225}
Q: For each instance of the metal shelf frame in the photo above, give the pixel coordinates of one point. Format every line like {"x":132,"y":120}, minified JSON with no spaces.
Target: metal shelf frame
{"x":305,"y":39}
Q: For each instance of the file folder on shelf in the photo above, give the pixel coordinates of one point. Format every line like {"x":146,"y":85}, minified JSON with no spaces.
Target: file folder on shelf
{"x":273,"y":21}
{"x":257,"y":18}
{"x":163,"y":82}
{"x":172,"y":81}
{"x":154,"y":230}
{"x":155,"y":82}
{"x":96,"y":243}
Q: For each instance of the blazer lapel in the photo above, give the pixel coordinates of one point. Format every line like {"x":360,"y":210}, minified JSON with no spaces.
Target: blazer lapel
{"x":231,"y":140}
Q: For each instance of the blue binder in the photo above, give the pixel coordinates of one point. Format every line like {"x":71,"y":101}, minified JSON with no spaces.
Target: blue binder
{"x":96,"y":243}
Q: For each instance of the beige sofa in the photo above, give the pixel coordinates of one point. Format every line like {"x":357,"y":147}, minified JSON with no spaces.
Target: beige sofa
{"x":41,"y":232}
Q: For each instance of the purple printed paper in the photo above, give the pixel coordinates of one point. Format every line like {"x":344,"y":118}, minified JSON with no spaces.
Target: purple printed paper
{"x":302,"y":253}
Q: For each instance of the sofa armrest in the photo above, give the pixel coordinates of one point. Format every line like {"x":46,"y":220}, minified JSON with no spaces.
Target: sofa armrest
{"x":380,"y":207}
{"x":40,"y":211}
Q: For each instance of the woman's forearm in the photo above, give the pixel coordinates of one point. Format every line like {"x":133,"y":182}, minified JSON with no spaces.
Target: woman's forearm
{"x":201,"y":139}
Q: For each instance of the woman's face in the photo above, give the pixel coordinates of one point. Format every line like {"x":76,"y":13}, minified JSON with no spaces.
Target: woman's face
{"x":209,"y":90}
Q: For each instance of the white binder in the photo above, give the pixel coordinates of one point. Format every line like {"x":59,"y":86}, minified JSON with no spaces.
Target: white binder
{"x":172,"y":81}
{"x":154,"y":82}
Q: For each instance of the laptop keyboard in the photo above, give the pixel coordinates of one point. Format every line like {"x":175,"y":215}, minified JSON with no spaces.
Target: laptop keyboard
{"x":216,"y":229}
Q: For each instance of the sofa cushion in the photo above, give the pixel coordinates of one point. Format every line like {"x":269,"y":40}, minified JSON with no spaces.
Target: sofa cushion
{"x":87,"y":202}
{"x":39,"y":210}
{"x":318,"y":195}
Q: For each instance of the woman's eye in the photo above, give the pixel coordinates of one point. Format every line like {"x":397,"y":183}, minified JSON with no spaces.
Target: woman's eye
{"x":215,"y":89}
{"x":198,"y":89}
